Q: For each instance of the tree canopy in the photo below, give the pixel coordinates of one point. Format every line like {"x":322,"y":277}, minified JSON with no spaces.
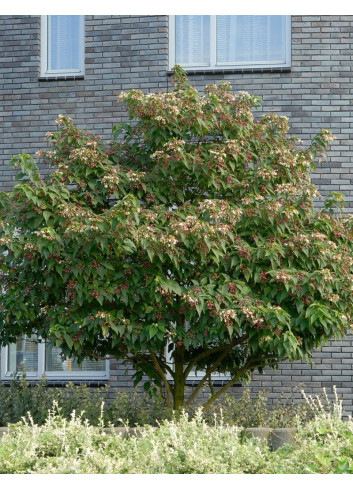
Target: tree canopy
{"x":191,"y":236}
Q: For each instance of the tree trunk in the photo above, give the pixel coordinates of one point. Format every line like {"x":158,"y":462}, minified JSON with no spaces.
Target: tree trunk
{"x":179,"y":380}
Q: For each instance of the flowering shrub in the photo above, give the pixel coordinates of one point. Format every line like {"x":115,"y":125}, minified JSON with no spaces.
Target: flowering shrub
{"x":192,"y":233}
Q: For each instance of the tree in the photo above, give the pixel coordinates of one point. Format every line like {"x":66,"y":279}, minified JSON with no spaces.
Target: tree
{"x":193,"y":230}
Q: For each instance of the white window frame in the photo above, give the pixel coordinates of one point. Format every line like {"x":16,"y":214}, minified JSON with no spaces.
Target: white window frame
{"x":229,"y":65}
{"x":194,"y":375}
{"x":44,"y":42}
{"x":41,"y":372}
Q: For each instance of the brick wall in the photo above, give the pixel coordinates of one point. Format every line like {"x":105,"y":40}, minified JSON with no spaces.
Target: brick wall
{"x":124,"y":52}
{"x":121,"y":53}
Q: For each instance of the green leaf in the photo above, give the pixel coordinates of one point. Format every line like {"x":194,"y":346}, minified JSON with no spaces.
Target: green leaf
{"x":153,"y":330}
{"x":68,"y":340}
{"x":150,"y":253}
{"x":147,"y":386}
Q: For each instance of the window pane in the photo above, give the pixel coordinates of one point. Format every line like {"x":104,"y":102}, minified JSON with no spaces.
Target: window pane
{"x":54,"y":362}
{"x":23,"y":355}
{"x":251,"y":38}
{"x":64,"y":42}
{"x":192,"y":40}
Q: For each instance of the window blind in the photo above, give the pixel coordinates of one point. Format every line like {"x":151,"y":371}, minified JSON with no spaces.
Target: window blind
{"x":250,"y":38}
{"x":192,"y":40}
{"x":54,"y":362}
{"x":23,"y":355}
{"x":64,"y":42}
{"x":227,"y":41}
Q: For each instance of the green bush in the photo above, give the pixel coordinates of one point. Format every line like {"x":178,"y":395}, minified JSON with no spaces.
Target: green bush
{"x":178,"y":446}
{"x":20,"y":397}
{"x":286,"y":412}
{"x":136,"y":408}
{"x":28,"y":445}
{"x":324,"y":446}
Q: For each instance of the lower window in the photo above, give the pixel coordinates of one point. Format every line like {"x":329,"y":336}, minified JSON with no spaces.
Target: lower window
{"x":40,"y":359}
{"x":195,"y":375}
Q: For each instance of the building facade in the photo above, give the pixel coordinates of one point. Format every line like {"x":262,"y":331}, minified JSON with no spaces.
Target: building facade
{"x":301,"y":66}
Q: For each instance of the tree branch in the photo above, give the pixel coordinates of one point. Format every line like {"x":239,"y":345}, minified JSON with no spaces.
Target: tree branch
{"x":209,"y":352}
{"x":162,"y":375}
{"x":213,"y":367}
{"x":246,"y":367}
{"x":147,"y":360}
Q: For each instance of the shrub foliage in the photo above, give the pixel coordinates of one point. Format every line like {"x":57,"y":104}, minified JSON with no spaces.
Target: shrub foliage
{"x":177,"y":446}
{"x":193,"y":231}
{"x":116,"y":407}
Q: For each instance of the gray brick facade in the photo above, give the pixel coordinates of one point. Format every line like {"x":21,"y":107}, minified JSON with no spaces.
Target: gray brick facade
{"x":124,"y":52}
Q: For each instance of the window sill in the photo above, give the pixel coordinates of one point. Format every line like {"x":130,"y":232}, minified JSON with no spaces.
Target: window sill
{"x":61,"y":78}
{"x":208,"y":71}
{"x":215,"y":383}
{"x":60,"y":383}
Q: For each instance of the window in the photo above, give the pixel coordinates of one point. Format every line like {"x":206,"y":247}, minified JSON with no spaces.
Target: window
{"x":194,"y":375}
{"x":38,"y":359}
{"x":62,"y":45}
{"x":197,"y":375}
{"x":202,"y":42}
